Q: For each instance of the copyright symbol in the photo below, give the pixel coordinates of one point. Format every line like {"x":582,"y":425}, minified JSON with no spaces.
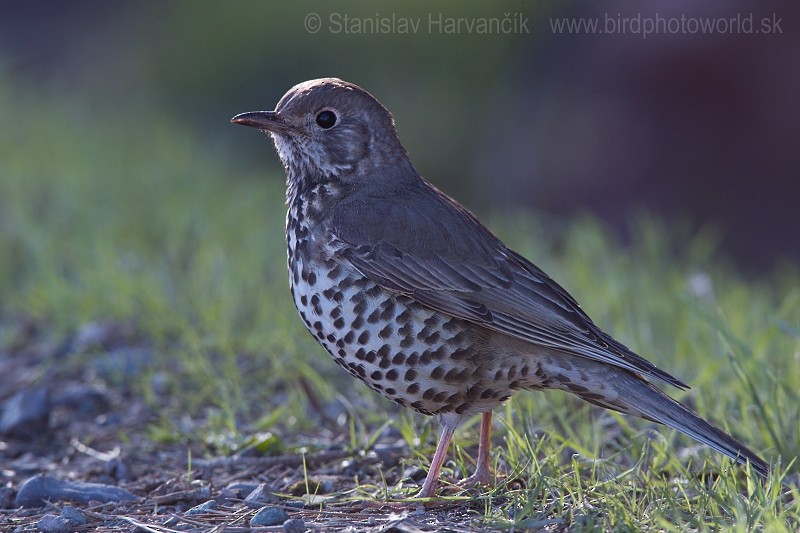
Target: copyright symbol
{"x":312,"y":23}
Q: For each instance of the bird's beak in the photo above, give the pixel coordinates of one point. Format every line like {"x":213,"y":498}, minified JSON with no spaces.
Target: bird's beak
{"x":263,"y":120}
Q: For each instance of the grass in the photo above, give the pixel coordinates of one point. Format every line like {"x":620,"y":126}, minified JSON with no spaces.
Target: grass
{"x":144,"y":221}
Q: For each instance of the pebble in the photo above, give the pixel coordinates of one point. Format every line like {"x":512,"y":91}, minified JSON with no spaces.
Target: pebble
{"x":51,"y":523}
{"x":26,"y":414}
{"x":73,"y":515}
{"x":269,"y":516}
{"x":66,"y":522}
{"x":260,"y":495}
{"x":38,"y":490}
{"x":202,"y":508}
{"x":294,"y":525}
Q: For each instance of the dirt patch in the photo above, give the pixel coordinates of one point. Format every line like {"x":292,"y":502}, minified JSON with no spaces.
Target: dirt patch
{"x":74,"y":425}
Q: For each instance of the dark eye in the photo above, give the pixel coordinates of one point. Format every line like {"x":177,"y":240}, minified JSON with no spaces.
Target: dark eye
{"x":326,"y":119}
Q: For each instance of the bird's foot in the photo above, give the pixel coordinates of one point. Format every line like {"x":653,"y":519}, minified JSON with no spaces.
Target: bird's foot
{"x":482,"y":476}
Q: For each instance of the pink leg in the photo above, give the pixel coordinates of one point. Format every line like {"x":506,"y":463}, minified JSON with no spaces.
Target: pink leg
{"x":482,"y":474}
{"x":437,"y":462}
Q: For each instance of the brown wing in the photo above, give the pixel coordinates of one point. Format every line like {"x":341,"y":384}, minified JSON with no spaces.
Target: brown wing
{"x":423,"y":244}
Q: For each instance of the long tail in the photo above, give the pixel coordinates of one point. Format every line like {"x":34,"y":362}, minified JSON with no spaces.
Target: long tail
{"x":640,"y":398}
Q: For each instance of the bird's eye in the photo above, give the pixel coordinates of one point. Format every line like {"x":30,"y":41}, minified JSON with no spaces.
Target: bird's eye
{"x":326,"y":119}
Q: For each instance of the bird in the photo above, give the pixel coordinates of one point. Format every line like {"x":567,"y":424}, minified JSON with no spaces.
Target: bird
{"x":410,"y":293}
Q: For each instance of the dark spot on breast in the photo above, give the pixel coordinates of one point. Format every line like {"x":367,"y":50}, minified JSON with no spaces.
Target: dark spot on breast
{"x":361,"y":354}
{"x":439,"y":353}
{"x":387,"y":309}
{"x":399,"y":358}
{"x":338,"y":323}
{"x":390,"y":391}
{"x":384,"y":350}
{"x":439,"y":397}
{"x":413,"y":388}
{"x":361,"y":307}
{"x":410,"y":374}
{"x":374,"y":316}
{"x":425,"y":358}
{"x":437,"y":372}
{"x":432,"y":338}
{"x":303,"y":300}
{"x":461,"y":353}
{"x":338,"y":297}
{"x":412,"y":359}
{"x":374,"y":291}
{"x":312,"y":279}
{"x":407,"y":342}
{"x":392,"y":374}
{"x":386,"y":332}
{"x":349,"y":336}
{"x":462,"y":408}
{"x":357,"y":323}
{"x":331,"y":338}
{"x":428,"y":394}
{"x":364,"y":337}
{"x":334,"y":272}
{"x":318,"y":325}
{"x":385,"y":362}
{"x":370,"y":357}
{"x":376,"y":376}
{"x":452,"y":374}
{"x":403,"y":317}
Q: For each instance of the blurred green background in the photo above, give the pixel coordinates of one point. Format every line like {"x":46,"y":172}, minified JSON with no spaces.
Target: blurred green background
{"x":685,"y":124}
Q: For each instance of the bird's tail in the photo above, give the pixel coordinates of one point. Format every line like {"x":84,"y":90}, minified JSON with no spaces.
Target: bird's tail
{"x":640,"y":398}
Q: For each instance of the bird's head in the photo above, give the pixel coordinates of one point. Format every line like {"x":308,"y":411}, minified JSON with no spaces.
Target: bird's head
{"x":329,"y":129}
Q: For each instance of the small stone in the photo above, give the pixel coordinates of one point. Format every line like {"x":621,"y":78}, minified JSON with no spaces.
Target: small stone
{"x":269,"y":516}
{"x":294,"y":525}
{"x":73,"y":515}
{"x":40,"y":489}
{"x":26,"y":414}
{"x":202,"y":508}
{"x":6,"y":497}
{"x":51,"y":523}
{"x":260,"y":495}
{"x":295,"y":504}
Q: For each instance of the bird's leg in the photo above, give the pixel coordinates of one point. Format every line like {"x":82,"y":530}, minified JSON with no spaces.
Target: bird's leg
{"x":437,"y":462}
{"x":482,"y":475}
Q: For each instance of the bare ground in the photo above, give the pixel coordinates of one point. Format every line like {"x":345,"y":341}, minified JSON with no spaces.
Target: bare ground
{"x":94,"y":431}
